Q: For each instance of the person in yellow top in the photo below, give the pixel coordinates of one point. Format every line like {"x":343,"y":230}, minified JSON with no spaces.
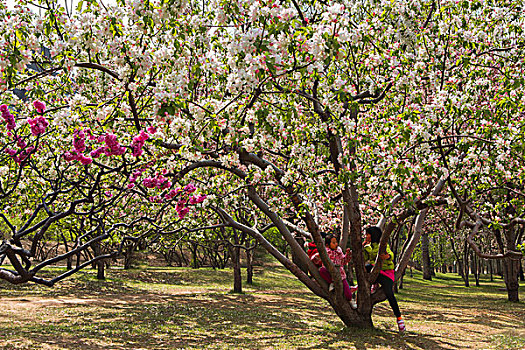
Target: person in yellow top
{"x":386,"y":275}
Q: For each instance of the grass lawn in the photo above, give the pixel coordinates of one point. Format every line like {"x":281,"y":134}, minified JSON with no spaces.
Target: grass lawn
{"x":179,"y":308}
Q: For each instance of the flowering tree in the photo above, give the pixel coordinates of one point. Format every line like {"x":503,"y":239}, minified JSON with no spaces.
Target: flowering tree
{"x":321,"y":115}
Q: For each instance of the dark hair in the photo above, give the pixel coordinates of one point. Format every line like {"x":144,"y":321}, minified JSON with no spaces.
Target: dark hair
{"x":328,"y":239}
{"x":375,"y":233}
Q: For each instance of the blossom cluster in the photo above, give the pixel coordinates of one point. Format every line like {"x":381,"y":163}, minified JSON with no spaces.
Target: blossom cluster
{"x":111,"y":146}
{"x":8,"y":117}
{"x":38,"y":126}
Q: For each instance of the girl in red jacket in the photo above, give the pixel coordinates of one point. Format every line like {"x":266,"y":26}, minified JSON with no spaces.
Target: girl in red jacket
{"x":340,"y":260}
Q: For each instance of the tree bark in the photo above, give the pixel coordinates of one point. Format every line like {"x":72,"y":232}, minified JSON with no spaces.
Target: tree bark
{"x":99,"y":263}
{"x":249,"y":266}
{"x":466,"y":265}
{"x":511,"y":270}
{"x":237,"y":278}
{"x":425,"y":256}
{"x":296,"y":260}
{"x":474,"y":267}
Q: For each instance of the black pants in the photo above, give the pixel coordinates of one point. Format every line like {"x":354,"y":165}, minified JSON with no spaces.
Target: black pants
{"x":388,"y":287}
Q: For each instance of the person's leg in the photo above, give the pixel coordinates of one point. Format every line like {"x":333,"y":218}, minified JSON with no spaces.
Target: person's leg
{"x":388,"y":287}
{"x":325,"y":274}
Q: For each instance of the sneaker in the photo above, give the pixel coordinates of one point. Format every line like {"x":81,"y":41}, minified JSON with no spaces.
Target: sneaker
{"x":401,"y":325}
{"x":374,"y":288}
{"x":331,"y":287}
{"x":353,"y":304}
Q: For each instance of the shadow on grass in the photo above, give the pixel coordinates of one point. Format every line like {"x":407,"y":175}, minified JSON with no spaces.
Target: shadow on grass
{"x":129,"y":311}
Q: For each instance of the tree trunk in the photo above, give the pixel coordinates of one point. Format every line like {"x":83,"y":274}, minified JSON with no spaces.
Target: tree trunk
{"x":425,"y":256}
{"x":354,"y":319}
{"x":249,"y":266}
{"x":99,"y":263}
{"x":466,"y":265}
{"x":491,"y":270}
{"x":195,"y":260}
{"x":474,"y":267}
{"x":442,"y":258}
{"x":511,"y":268}
{"x":522,"y":276}
{"x":237,"y":279}
{"x":236,"y":260}
{"x":128,"y":255}
{"x":499,"y":269}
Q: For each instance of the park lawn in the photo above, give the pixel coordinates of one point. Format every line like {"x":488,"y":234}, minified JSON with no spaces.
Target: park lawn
{"x":180,"y":308}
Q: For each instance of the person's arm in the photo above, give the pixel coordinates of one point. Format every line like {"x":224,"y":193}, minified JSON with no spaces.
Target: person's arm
{"x":389,"y":255}
{"x":347,"y":257}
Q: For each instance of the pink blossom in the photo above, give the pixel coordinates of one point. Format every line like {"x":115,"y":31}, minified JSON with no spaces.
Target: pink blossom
{"x":151,"y":129}
{"x":142,"y":136}
{"x":155,"y":199}
{"x":198,"y":199}
{"x":39,"y":106}
{"x":8,"y":117}
{"x":38,"y":125}
{"x":180,"y":205}
{"x":149,"y":182}
{"x":20,"y":142}
{"x":138,"y":143}
{"x":113,"y":147}
{"x":84,"y":160}
{"x":97,"y":152}
{"x":10,"y":151}
{"x":163,"y":183}
{"x":24,"y":154}
{"x":172,"y":194}
{"x":183,"y":212}
{"x":79,"y":139}
{"x":131,"y":185}
{"x":69,"y":156}
{"x":190,"y":188}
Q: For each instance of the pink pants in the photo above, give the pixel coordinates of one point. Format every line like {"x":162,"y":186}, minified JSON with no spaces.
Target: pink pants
{"x":326,"y":276}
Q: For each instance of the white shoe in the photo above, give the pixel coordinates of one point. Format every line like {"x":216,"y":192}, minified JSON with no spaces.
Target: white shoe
{"x":353,"y":304}
{"x":331,"y":287}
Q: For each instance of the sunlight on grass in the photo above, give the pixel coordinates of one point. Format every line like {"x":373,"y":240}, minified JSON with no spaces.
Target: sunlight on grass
{"x":180,"y":308}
